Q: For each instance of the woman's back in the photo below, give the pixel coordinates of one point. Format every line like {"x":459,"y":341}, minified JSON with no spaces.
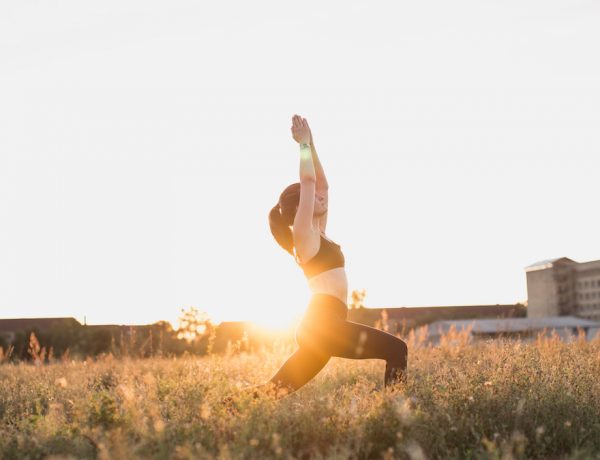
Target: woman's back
{"x":325,"y":270}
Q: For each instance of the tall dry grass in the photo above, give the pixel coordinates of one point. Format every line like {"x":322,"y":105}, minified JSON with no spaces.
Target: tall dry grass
{"x":463,"y":400}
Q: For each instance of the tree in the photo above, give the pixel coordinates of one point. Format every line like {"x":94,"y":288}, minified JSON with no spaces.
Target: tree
{"x":358,"y":298}
{"x":196,"y":328}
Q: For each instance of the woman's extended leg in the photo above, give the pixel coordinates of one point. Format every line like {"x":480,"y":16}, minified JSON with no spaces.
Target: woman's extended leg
{"x":299,"y":368}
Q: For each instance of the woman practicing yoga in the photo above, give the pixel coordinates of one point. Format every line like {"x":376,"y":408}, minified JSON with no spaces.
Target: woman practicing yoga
{"x":298,"y":223}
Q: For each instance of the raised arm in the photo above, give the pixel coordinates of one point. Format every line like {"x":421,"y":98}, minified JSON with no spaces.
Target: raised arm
{"x":303,"y":232}
{"x":320,"y":174}
{"x":322,"y":187}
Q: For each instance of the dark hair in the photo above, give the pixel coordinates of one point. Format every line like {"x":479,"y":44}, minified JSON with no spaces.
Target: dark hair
{"x":281,"y":217}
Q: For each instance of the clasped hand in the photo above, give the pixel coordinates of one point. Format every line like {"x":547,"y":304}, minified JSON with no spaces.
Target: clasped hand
{"x":300,"y":130}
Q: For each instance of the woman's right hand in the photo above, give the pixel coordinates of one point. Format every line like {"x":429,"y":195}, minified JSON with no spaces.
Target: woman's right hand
{"x":300,"y":130}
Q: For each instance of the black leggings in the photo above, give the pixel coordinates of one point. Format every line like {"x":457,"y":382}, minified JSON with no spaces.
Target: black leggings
{"x":325,"y":332}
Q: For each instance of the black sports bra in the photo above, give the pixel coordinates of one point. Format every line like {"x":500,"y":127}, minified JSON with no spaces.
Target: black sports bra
{"x":329,"y":256}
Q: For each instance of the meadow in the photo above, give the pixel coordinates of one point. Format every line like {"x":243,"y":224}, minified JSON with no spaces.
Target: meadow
{"x":486,"y":400}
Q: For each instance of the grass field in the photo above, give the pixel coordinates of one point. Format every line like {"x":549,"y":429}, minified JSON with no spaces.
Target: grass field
{"x":462,"y":400}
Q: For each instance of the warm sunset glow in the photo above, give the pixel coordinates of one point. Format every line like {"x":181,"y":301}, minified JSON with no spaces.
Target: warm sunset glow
{"x":219,"y":221}
{"x":137,"y":180}
{"x":276,"y":321}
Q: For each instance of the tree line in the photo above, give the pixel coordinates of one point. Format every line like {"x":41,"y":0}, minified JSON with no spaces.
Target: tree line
{"x":70,"y":339}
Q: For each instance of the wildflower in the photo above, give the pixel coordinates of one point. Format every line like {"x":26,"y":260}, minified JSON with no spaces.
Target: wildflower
{"x":520,"y":406}
{"x":149,"y":379}
{"x":159,"y":426}
{"x":254,"y":442}
{"x":389,"y":454}
{"x":205,"y":411}
{"x":275,"y":444}
{"x":403,"y":410}
{"x":61,"y":382}
{"x":539,"y":431}
{"x":415,"y":451}
{"x":126,"y":391}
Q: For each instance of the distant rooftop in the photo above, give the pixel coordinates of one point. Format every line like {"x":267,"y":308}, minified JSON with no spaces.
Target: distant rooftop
{"x":487,"y":326}
{"x":542,"y":264}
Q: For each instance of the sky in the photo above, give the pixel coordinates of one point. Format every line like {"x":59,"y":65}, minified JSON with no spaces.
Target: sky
{"x":143,"y":143}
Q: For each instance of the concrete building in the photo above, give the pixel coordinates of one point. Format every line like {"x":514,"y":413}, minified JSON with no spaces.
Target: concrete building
{"x":557,"y":287}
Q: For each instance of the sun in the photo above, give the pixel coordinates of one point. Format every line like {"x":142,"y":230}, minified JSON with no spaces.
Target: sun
{"x":275,"y":313}
{"x":276,"y":320}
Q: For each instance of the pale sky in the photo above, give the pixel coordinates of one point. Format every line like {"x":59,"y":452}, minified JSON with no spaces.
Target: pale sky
{"x":143,"y":143}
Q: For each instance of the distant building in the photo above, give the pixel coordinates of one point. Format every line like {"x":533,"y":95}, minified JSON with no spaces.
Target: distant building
{"x":566,"y":327}
{"x":399,"y":319}
{"x":557,"y":287}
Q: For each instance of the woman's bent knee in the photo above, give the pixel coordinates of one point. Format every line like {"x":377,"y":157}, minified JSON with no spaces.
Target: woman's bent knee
{"x":400,"y":353}
{"x":403,"y":348}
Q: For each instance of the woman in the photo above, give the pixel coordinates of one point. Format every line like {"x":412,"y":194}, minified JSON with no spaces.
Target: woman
{"x":298,"y":223}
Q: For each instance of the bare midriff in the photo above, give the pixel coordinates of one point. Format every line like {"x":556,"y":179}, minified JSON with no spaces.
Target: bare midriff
{"x":332,"y":282}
